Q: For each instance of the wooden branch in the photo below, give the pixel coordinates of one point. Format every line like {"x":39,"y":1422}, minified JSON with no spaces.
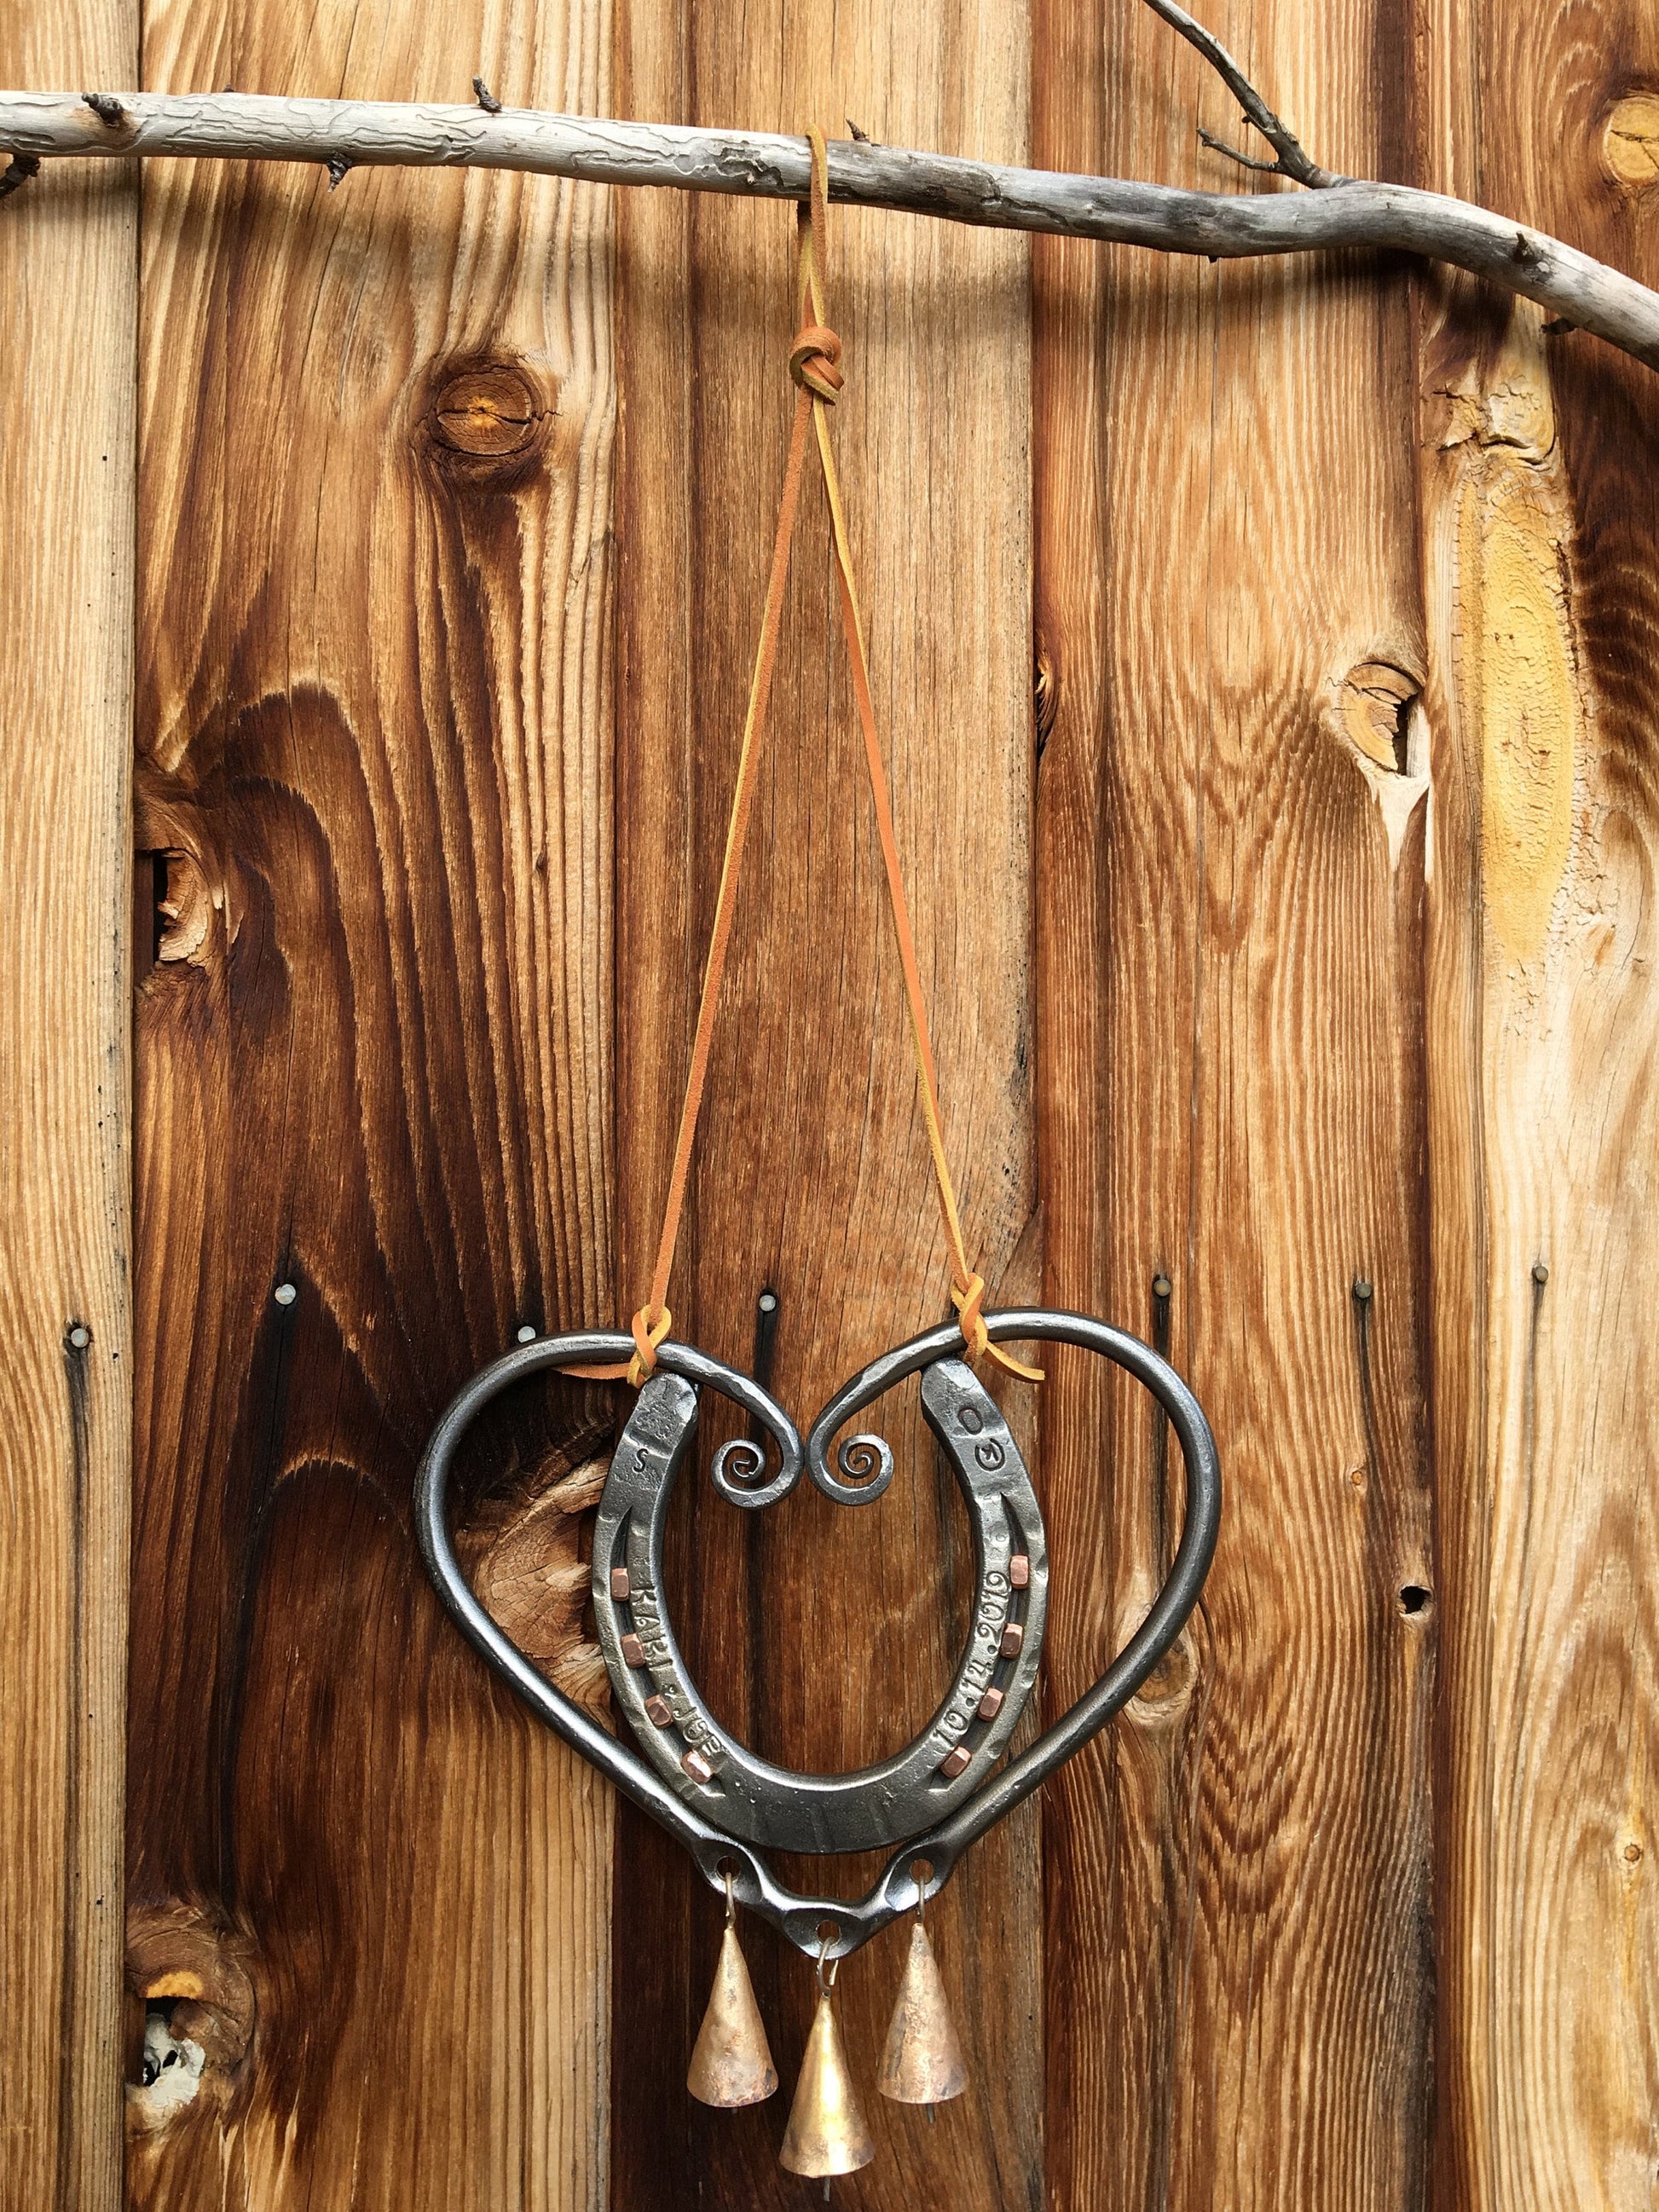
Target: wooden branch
{"x":368,"y":134}
{"x":1290,"y":159}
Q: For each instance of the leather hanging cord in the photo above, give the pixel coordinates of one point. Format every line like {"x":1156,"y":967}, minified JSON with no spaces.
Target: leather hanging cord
{"x":814,"y":364}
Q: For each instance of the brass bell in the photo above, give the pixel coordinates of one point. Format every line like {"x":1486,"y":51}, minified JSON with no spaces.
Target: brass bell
{"x":732,"y":2063}
{"x":826,"y":2133}
{"x":922,"y":2064}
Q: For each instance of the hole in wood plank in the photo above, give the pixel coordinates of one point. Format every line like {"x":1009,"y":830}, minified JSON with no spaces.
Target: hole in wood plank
{"x":170,"y":2073}
{"x":1413,"y":1599}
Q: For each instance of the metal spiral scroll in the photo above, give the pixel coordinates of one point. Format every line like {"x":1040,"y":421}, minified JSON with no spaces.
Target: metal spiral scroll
{"x":710,"y":1792}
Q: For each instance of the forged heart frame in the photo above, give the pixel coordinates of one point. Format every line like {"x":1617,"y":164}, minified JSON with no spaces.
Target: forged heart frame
{"x":807,"y":1922}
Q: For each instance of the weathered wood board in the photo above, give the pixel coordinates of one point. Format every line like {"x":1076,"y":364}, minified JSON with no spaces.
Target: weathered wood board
{"x":1231,"y":858}
{"x":68,"y":298}
{"x":824,"y":1635}
{"x":1539,"y":463}
{"x":374,"y":1127}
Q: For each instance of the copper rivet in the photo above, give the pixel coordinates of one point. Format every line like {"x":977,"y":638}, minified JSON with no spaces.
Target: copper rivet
{"x":990,"y":1704}
{"x":620,"y":1585}
{"x":1012,"y":1637}
{"x":1019,"y":1570}
{"x":658,"y":1711}
{"x":697,"y":1767}
{"x":955,"y":1764}
{"x":634,"y":1651}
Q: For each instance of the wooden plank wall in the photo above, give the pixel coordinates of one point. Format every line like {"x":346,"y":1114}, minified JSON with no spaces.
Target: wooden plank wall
{"x":68,"y":298}
{"x":1265,"y":658}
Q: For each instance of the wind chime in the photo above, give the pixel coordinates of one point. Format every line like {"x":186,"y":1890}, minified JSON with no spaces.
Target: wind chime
{"x":930,"y":1801}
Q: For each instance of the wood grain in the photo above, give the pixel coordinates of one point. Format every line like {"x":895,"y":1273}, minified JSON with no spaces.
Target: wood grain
{"x":1240,"y":1974}
{"x":373,"y":1067}
{"x":822,"y":1635}
{"x":68,"y":289}
{"x":1540,"y":528}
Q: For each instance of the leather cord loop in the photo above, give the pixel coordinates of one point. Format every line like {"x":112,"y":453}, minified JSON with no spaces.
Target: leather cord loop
{"x":815,"y":366}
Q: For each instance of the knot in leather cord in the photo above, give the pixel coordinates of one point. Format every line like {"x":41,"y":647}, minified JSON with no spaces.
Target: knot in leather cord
{"x":814,"y":361}
{"x":969,"y":1301}
{"x":647,"y":1335}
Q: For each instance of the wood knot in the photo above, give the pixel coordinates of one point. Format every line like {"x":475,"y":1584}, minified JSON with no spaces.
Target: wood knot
{"x":1377,"y":699}
{"x":1045,"y":693}
{"x":1630,"y":142}
{"x":197,"y":2013}
{"x":523,"y":1555}
{"x":487,"y":411}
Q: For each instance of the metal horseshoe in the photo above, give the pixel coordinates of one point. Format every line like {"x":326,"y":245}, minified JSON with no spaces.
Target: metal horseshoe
{"x":937,"y":1796}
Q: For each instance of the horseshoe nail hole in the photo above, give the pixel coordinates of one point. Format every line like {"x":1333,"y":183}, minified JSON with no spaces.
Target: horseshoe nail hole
{"x":827,"y":1931}
{"x":1413,"y":1599}
{"x":921,"y":1872}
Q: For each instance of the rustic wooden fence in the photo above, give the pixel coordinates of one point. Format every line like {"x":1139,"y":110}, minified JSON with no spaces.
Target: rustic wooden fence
{"x":1267,"y":654}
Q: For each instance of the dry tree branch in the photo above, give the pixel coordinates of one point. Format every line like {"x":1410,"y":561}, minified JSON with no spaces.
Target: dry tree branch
{"x":1291,"y":161}
{"x":344,"y":135}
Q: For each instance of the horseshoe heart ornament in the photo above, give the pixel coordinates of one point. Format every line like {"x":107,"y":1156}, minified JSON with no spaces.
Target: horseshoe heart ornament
{"x":934,"y":1798}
